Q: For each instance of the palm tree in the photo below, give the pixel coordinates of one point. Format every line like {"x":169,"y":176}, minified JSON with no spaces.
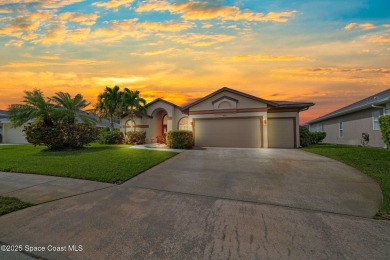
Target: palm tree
{"x":132,"y":103}
{"x":35,"y":107}
{"x":109,"y":104}
{"x":68,"y":108}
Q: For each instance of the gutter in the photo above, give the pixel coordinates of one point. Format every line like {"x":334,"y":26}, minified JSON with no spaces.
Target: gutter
{"x":383,"y":107}
{"x":346,"y":112}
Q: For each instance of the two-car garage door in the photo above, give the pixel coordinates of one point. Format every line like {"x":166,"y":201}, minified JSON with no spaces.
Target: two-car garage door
{"x":228,"y":132}
{"x":244,"y":132}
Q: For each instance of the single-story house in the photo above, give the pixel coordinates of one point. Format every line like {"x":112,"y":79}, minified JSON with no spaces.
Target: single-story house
{"x":346,"y":125}
{"x":224,"y":118}
{"x":15,"y":135}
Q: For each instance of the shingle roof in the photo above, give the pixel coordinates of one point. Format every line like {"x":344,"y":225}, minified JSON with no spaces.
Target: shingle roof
{"x":162,"y":100}
{"x":271,"y":103}
{"x":377,"y":99}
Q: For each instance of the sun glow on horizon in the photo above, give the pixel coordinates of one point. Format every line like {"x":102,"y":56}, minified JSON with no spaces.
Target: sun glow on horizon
{"x":331,"y":54}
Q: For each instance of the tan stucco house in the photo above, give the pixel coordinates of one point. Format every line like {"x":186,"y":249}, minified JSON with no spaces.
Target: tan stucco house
{"x":346,"y":125}
{"x":225,"y":118}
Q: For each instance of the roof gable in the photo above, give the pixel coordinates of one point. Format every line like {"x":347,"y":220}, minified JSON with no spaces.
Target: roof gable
{"x":161,"y":100}
{"x":270,"y":103}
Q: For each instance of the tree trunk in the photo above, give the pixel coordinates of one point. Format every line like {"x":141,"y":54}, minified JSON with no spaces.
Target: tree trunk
{"x":111,"y":124}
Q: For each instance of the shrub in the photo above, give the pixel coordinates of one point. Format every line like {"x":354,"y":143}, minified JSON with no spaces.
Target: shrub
{"x":307,"y":138}
{"x":317,"y":137}
{"x":384,"y":123}
{"x":110,"y":137}
{"x":304,"y":136}
{"x":180,"y":139}
{"x":61,"y":136}
{"x":135,"y":137}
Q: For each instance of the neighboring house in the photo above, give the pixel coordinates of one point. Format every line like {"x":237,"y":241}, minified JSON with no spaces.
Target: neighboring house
{"x":9,"y":134}
{"x":225,"y":118}
{"x":15,"y":135}
{"x":346,"y":125}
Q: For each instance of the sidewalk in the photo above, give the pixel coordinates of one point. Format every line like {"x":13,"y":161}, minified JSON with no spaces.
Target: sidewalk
{"x":39,"y":189}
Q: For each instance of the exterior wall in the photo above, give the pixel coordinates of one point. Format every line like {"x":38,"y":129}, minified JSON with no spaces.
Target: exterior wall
{"x":242,"y":103}
{"x":13,"y":135}
{"x":152,"y":124}
{"x":354,"y":125}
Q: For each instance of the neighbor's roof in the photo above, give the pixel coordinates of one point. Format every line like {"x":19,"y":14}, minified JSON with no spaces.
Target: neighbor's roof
{"x":274,"y":104}
{"x":94,"y":118}
{"x":377,"y":99}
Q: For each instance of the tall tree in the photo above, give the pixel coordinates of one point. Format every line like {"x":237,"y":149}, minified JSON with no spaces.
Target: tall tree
{"x":132,"y":103}
{"x":68,"y":108}
{"x":35,"y":107}
{"x":109,"y":104}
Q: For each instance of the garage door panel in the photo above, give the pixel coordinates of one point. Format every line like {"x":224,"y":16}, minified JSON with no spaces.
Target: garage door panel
{"x":228,"y":132}
{"x":281,"y":133}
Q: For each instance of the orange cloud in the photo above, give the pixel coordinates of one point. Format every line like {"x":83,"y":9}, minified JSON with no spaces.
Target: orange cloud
{"x":268,"y":58}
{"x":73,"y":62}
{"x":197,"y":39}
{"x":15,"y":43}
{"x":382,"y":39}
{"x":24,"y":24}
{"x":363,"y":26}
{"x":114,"y":4}
{"x":192,"y":10}
{"x":169,"y":26}
{"x":85,"y":19}
{"x":53,"y":4}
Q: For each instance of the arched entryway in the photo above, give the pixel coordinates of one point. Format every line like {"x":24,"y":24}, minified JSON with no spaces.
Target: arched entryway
{"x":159,"y":126}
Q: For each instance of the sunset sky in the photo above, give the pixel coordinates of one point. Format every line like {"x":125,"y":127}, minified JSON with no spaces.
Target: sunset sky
{"x":328,"y":52}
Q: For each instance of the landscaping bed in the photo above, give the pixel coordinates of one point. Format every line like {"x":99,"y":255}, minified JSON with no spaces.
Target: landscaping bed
{"x":104,"y":163}
{"x":375,"y":162}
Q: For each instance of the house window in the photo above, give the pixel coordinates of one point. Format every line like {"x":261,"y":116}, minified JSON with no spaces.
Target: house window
{"x":341,"y":128}
{"x":183,"y":124}
{"x":375,"y":120}
{"x":165,"y":124}
{"x":322,"y":127}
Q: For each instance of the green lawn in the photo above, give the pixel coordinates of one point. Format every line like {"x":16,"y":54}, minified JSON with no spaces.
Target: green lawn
{"x":8,"y":205}
{"x":374,"y":162}
{"x":105,"y":163}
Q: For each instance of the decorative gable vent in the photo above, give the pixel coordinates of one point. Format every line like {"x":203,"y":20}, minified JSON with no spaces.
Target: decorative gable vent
{"x":225,"y":102}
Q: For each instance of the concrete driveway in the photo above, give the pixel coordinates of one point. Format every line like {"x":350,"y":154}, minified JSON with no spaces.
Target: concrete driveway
{"x":216,"y":204}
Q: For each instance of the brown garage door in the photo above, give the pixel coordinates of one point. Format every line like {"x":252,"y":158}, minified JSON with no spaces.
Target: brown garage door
{"x":281,"y":132}
{"x":228,"y":132}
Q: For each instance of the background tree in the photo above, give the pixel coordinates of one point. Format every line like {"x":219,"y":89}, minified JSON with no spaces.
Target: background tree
{"x":69,"y":108}
{"x":35,"y":107}
{"x":132,"y":104}
{"x":109,"y":105}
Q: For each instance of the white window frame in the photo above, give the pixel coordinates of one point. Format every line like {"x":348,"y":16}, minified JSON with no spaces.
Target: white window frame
{"x":341,"y":128}
{"x":375,"y":120}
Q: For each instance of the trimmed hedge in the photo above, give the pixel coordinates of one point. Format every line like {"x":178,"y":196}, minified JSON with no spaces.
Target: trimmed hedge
{"x":110,"y":137}
{"x":307,"y":138}
{"x":61,"y":136}
{"x":180,"y":139}
{"x":384,"y":123}
{"x":135,"y":137}
{"x":317,"y":137}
